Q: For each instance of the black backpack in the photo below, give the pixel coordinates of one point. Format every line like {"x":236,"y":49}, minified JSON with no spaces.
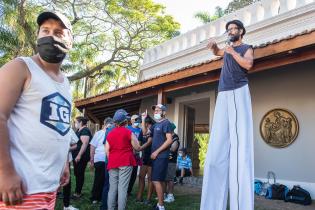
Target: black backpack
{"x":277,"y":192}
{"x":298,"y":195}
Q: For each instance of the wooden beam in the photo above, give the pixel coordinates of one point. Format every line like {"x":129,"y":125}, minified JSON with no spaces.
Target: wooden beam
{"x":289,"y":58}
{"x":91,"y":116}
{"x":195,"y":81}
{"x":114,"y":108}
{"x":110,"y":114}
{"x":151,"y":84}
{"x":114,"y":103}
{"x":161,"y":96}
{"x":286,"y":45}
{"x":272,"y":49}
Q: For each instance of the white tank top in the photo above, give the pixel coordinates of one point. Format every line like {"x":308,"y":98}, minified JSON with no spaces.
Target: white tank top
{"x":39,"y":130}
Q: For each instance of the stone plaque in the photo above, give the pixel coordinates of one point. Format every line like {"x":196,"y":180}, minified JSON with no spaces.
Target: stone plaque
{"x":279,"y":128}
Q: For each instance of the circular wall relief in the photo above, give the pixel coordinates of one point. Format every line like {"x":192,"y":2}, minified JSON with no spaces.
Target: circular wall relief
{"x":279,"y":128}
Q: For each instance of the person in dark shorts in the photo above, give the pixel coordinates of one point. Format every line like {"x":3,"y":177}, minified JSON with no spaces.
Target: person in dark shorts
{"x":171,"y":169}
{"x":161,"y":134}
{"x":146,"y":168}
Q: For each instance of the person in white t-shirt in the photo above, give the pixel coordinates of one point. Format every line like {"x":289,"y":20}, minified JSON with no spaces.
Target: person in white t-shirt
{"x":67,"y":188}
{"x":35,"y":113}
{"x":98,"y":161}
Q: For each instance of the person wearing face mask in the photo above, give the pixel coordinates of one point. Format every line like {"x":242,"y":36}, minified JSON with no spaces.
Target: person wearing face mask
{"x":35,"y":115}
{"x":135,"y":128}
{"x":98,"y":160}
{"x":146,"y":168}
{"x":229,"y":164}
{"x":184,"y":165}
{"x":161,"y":134}
{"x":171,"y":169}
{"x":109,"y":126}
{"x":81,"y":154}
{"x":119,"y":146}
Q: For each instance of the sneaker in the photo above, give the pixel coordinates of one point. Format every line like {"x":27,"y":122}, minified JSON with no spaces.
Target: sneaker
{"x":139,"y":200}
{"x":76,"y":196}
{"x":94,"y":202}
{"x":165,"y":196}
{"x":175,"y":180}
{"x":157,"y":207}
{"x":70,"y":208}
{"x":170,"y":198}
{"x":146,"y":202}
{"x":181,"y":180}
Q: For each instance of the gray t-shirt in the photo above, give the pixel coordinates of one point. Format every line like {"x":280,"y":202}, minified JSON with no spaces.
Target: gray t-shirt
{"x":233,"y":76}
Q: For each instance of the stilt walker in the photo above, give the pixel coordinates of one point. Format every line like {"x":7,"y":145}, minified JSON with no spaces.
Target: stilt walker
{"x":229,"y":165}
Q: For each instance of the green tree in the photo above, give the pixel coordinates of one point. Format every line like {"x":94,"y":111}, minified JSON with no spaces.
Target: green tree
{"x":203,"y":140}
{"x":17,"y":29}
{"x":206,"y":17}
{"x":112,"y":33}
{"x":108,"y":34}
{"x":238,"y":4}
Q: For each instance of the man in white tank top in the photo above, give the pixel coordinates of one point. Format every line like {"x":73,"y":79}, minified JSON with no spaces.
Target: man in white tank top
{"x":35,"y":115}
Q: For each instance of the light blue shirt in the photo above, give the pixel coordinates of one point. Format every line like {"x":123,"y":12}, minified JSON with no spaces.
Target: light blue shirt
{"x":184,"y":163}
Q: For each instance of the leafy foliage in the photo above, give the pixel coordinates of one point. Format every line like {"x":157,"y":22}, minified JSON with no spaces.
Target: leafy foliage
{"x":206,"y":17}
{"x":203,"y":140}
{"x":110,"y":37}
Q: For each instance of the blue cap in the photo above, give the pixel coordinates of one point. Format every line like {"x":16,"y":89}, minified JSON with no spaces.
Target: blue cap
{"x":120,"y":116}
{"x":161,"y":106}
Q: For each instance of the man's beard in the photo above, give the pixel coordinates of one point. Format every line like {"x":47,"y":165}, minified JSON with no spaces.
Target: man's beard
{"x":234,"y":38}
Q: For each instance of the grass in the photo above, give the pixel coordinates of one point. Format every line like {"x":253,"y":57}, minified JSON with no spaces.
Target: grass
{"x":183,"y":202}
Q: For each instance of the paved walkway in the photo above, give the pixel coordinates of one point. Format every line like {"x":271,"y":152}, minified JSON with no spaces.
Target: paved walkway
{"x":260,"y":202}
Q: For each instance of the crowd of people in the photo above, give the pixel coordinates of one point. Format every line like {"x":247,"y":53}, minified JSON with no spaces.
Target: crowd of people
{"x":36,"y":135}
{"x":35,"y":164}
{"x":124,"y":148}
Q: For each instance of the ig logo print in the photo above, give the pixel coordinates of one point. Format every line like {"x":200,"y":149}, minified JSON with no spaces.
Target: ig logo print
{"x":55,"y":113}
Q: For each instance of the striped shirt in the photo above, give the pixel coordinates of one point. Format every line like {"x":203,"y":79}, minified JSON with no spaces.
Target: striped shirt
{"x":39,"y":201}
{"x":184,"y":163}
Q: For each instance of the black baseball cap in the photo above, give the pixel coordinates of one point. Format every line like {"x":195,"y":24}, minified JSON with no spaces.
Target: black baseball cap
{"x":42,"y":17}
{"x":239,"y":24}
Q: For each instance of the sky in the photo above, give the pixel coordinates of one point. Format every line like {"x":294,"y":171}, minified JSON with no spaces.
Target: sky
{"x":184,"y":10}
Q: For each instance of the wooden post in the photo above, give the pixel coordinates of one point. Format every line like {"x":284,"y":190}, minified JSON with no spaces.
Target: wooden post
{"x":161,"y":97}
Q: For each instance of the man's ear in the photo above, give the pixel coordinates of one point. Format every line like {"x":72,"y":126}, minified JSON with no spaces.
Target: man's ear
{"x":241,"y":32}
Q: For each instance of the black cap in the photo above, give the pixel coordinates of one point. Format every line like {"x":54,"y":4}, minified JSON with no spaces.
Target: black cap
{"x":239,"y":25}
{"x":55,"y":15}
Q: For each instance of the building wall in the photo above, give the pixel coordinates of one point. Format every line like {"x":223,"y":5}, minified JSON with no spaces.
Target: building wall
{"x":201,"y":107}
{"x":292,"y":88}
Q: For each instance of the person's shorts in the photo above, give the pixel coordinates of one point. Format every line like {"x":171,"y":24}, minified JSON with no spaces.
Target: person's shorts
{"x":159,"y":169}
{"x":147,"y":161}
{"x":187,"y":172}
{"x":171,"y":172}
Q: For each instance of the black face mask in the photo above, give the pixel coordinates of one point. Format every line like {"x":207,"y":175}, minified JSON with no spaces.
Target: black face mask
{"x":48,"y":52}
